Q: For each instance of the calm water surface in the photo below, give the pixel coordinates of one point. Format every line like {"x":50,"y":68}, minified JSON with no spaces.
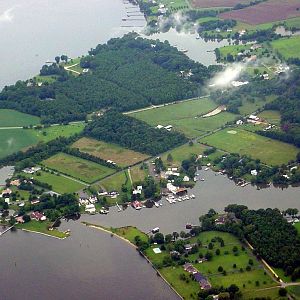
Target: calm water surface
{"x":88,"y":265}
{"x":215,"y":192}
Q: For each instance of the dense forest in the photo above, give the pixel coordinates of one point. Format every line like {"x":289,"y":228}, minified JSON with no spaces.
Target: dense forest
{"x":126,"y":73}
{"x":114,"y":127}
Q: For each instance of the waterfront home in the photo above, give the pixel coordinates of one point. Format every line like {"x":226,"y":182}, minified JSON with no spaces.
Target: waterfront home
{"x":203,"y":282}
{"x":20,"y":220}
{"x":221,"y":220}
{"x":15,"y":182}
{"x":6,"y":193}
{"x":137,"y":205}
{"x":35,"y":201}
{"x":37,"y":216}
{"x":90,"y":208}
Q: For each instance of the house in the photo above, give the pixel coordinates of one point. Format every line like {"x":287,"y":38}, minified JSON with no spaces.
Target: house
{"x":188,"y":247}
{"x":239,"y":122}
{"x":15,"y":182}
{"x":221,"y":220}
{"x":35,"y":201}
{"x":159,"y":126}
{"x":137,"y":205}
{"x":186,"y":178}
{"x":188,"y":267}
{"x":6,"y":193}
{"x":253,"y":172}
{"x":203,"y":282}
{"x":102,"y":193}
{"x":20,"y":220}
{"x":253,"y":117}
{"x":37,"y":216}
{"x":83,"y":195}
{"x":90,"y":208}
{"x":168,"y":127}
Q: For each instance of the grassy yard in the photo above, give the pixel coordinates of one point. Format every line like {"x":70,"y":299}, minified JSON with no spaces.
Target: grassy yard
{"x":121,"y":156}
{"x":295,"y":291}
{"x":138,"y":174}
{"x":183,"y":152}
{"x":42,"y":227}
{"x":287,"y":47}
{"x":250,"y":107}
{"x":113,"y":183}
{"x":60,"y":184}
{"x":45,"y":79}
{"x":12,"y":118}
{"x":129,"y":233}
{"x":78,"y":168}
{"x":13,"y":140}
{"x":236,"y":140}
{"x":271,"y":116}
{"x":297,"y":226}
{"x":51,"y":133}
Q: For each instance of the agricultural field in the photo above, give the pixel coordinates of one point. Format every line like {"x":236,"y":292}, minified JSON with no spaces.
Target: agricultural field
{"x":216,"y":3}
{"x":271,"y":116}
{"x":265,"y":12}
{"x":236,"y":140}
{"x":287,"y":47}
{"x":76,"y":167}
{"x":59,"y":183}
{"x":13,"y":118}
{"x":13,"y":140}
{"x":186,"y":117}
{"x":51,"y":133}
{"x":184,"y":110}
{"x":121,"y":156}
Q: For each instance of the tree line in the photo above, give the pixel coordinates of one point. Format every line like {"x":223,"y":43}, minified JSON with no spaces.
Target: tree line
{"x":128,"y":132}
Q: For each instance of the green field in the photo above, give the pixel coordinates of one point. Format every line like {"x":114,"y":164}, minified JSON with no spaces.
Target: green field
{"x":13,"y":140}
{"x":121,"y":156}
{"x":60,"y":184}
{"x":236,"y":140}
{"x":287,"y":47}
{"x":13,"y":118}
{"x":41,"y":227}
{"x":51,"y":133}
{"x":138,"y":174}
{"x":113,"y":183}
{"x":295,"y":291}
{"x":82,"y":169}
{"x":186,"y":117}
{"x":184,"y":110}
{"x":271,"y":116}
{"x":249,"y":107}
{"x":183,"y":152}
{"x":129,"y":233}
{"x":297,"y":226}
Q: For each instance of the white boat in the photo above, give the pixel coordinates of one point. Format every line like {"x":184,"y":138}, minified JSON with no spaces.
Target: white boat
{"x":192,"y":196}
{"x":206,"y":169}
{"x":202,"y":179}
{"x":156,"y":204}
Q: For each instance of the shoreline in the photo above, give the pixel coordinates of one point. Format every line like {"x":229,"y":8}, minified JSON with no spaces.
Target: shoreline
{"x":44,"y":234}
{"x":135,"y":247}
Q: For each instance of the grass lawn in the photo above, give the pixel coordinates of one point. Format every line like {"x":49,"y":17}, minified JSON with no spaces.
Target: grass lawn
{"x":185,"y":289}
{"x":269,"y":151}
{"x":13,"y":140}
{"x":297,"y":226}
{"x":295,"y":291}
{"x":271,"y":116}
{"x":121,"y":156}
{"x":60,"y":184}
{"x":138,"y":174}
{"x":12,"y":118}
{"x":233,"y":50}
{"x":77,"y":167}
{"x":287,"y":47}
{"x":42,"y":227}
{"x":249,"y":107}
{"x":45,"y":79}
{"x":51,"y":133}
{"x":183,"y":152}
{"x":129,"y":233}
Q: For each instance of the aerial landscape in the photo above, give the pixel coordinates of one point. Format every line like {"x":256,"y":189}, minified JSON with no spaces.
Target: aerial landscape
{"x":150,"y":149}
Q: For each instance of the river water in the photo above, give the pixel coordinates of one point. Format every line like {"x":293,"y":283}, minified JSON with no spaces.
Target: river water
{"x":35,"y":31}
{"x":215,"y":192}
{"x":90,"y":264}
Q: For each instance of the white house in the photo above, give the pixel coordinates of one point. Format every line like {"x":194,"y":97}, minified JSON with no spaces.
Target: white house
{"x":186,"y":179}
{"x":254,"y":172}
{"x":90,"y":208}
